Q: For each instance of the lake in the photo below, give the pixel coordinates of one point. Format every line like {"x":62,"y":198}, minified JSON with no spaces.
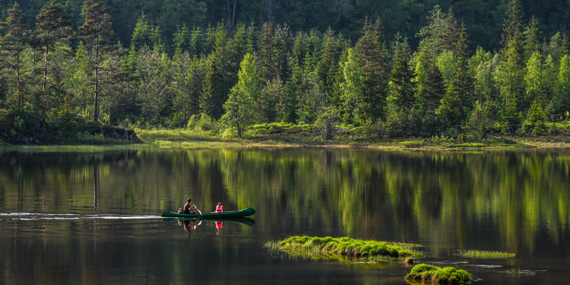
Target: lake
{"x":94,"y":218}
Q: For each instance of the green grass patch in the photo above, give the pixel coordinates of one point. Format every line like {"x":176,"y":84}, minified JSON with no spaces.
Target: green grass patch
{"x":344,"y":248}
{"x":425,"y":273}
{"x":477,"y":145}
{"x":482,"y":254}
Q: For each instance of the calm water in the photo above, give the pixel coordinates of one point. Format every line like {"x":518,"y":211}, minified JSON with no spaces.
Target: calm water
{"x":73,"y":218}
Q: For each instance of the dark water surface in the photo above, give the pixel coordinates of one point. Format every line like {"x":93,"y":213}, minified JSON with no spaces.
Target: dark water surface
{"x":84,"y":218}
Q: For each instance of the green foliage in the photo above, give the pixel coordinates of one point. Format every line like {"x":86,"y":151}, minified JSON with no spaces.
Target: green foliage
{"x":482,"y":254}
{"x":438,"y":275}
{"x":241,"y":106}
{"x":401,"y":84}
{"x":173,"y":72}
{"x":326,"y":122}
{"x":342,"y":248}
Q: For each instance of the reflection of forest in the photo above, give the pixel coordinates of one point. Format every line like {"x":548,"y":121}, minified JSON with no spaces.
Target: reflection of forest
{"x":444,"y":198}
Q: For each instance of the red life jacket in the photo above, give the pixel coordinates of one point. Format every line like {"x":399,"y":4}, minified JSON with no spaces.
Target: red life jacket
{"x":219,"y":208}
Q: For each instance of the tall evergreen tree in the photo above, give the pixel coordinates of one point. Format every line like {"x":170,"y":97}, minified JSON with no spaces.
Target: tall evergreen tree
{"x":328,"y":60}
{"x":181,"y":41}
{"x":216,"y":84}
{"x":531,"y":38}
{"x":352,"y":88}
{"x":429,"y":84}
{"x":51,"y":28}
{"x":373,"y":57}
{"x":401,"y":84}
{"x":266,"y":53}
{"x":510,"y":74}
{"x":241,"y":106}
{"x":14,"y":43}
{"x":98,"y":33}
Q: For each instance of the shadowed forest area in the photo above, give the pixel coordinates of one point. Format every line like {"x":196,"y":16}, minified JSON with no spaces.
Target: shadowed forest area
{"x":78,"y":71}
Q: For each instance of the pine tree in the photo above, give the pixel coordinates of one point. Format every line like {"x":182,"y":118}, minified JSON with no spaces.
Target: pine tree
{"x":429,"y":82}
{"x":141,"y":35}
{"x":401,"y":85}
{"x":216,"y":84}
{"x":373,"y":57}
{"x":531,"y":38}
{"x":181,"y":41}
{"x":536,"y":81}
{"x":510,"y":74}
{"x":281,"y":43}
{"x":98,"y":33}
{"x":51,"y":29}
{"x":272,"y":101}
{"x":562,"y":91}
{"x":451,"y":32}
{"x":13,"y":43}
{"x":463,"y":81}
{"x":328,"y":60}
{"x":266,"y":50}
{"x":241,"y":106}
{"x":239,"y":46}
{"x":352,"y":88}
{"x":197,"y":43}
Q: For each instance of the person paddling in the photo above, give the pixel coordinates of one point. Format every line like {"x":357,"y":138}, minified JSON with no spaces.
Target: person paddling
{"x":190,"y":208}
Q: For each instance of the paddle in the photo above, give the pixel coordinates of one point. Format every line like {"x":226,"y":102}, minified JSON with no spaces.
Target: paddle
{"x":198,"y":210}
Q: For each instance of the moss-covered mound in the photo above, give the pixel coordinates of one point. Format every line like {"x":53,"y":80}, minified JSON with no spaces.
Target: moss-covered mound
{"x":342,"y":248}
{"x":425,"y":273}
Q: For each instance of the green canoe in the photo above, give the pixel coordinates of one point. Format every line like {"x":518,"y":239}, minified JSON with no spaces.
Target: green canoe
{"x":224,"y":215}
{"x":244,"y":221}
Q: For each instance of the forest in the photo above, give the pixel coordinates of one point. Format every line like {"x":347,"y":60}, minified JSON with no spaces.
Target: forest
{"x":382,"y":69}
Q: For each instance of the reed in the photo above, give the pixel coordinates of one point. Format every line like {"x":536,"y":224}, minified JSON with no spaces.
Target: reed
{"x":482,"y":254}
{"x":425,"y":273}
{"x":343,"y":248}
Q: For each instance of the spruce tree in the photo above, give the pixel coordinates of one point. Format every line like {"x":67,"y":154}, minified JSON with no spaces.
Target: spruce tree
{"x":531,"y":38}
{"x":352,"y":88}
{"x":429,"y":83}
{"x":181,"y":41}
{"x":13,"y":43}
{"x":373,"y":57}
{"x":328,"y":61}
{"x":510,"y":73}
{"x":98,"y":33}
{"x":401,"y":84}
{"x":51,"y":28}
{"x":266,"y":53}
{"x":216,"y":85}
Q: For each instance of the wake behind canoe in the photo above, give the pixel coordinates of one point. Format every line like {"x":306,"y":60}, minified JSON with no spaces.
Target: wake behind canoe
{"x":228,"y":214}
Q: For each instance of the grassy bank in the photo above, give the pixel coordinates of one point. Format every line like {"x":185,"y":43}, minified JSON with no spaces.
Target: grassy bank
{"x":425,"y":273}
{"x":302,"y":136}
{"x":343,"y":248}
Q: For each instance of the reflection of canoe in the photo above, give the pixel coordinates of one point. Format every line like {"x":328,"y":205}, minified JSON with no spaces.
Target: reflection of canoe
{"x":224,"y":215}
{"x":244,"y":221}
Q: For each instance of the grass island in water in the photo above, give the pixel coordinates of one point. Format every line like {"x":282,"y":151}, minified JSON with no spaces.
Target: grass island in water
{"x":343,"y":248}
{"x":425,"y":273}
{"x":482,"y":254}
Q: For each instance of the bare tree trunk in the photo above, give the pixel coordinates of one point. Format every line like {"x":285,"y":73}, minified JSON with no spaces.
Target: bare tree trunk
{"x":234,"y":15}
{"x":96,"y":112}
{"x":44,"y":85}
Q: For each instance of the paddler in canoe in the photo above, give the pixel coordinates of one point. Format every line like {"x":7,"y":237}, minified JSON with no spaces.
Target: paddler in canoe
{"x":190,"y":208}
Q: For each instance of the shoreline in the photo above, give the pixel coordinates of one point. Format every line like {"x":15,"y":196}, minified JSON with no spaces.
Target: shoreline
{"x":493,"y":144}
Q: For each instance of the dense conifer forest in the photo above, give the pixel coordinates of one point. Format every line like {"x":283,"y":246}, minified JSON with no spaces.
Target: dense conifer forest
{"x":383,"y":68}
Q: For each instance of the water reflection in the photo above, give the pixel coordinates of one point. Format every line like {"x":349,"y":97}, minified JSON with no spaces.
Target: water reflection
{"x":514,"y":201}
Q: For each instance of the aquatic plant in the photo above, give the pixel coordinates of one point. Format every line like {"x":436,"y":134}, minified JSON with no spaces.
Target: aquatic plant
{"x":482,"y":254}
{"x":343,"y":248}
{"x":426,"y":273}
